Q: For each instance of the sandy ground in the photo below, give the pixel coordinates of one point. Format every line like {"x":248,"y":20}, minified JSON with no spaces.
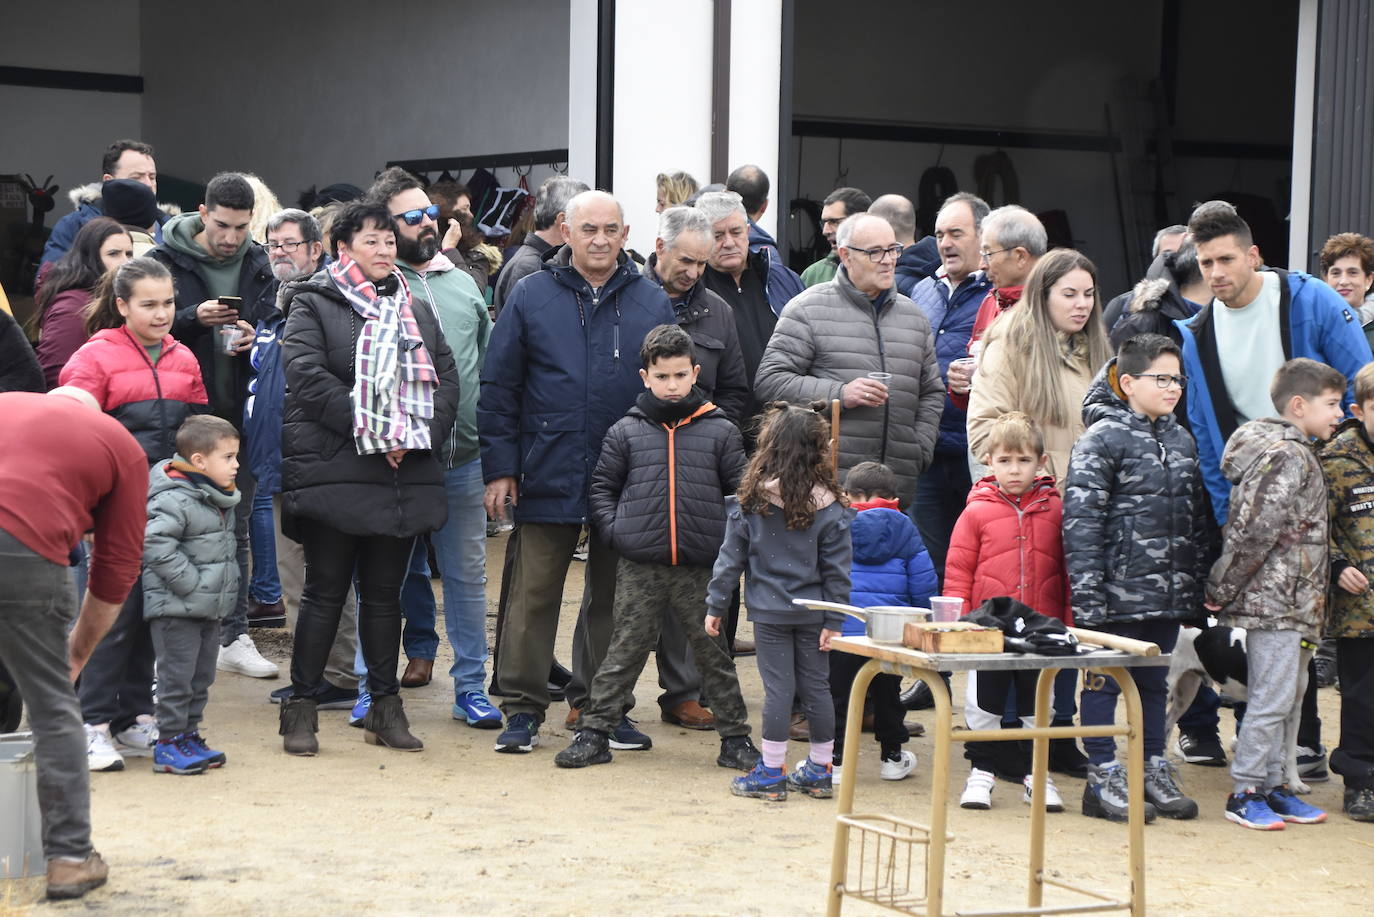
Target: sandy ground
{"x":460,"y":829}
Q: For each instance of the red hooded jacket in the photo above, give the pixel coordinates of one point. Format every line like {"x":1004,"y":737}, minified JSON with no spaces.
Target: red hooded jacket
{"x":1002,"y":545}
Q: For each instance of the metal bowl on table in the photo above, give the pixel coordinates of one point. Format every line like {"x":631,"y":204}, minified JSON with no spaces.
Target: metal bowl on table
{"x":882,"y":623}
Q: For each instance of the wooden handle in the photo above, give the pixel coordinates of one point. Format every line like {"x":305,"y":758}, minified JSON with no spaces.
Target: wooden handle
{"x":1113,"y":642}
{"x":835,"y":436}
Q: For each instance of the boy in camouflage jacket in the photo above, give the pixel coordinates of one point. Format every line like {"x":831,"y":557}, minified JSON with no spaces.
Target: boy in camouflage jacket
{"x":1348,"y":461}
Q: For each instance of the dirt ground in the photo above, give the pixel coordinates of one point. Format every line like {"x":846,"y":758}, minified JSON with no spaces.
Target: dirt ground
{"x":458,"y":829}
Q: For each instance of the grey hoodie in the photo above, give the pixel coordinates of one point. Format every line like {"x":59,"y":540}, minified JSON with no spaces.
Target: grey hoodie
{"x":190,"y":562}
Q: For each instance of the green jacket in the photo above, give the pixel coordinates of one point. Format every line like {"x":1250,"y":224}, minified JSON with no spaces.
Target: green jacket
{"x":1348,"y":460}
{"x":463,"y":317}
{"x":190,"y":555}
{"x":821,"y":271}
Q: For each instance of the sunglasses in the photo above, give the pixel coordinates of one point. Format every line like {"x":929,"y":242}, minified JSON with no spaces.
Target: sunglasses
{"x":416,"y":217}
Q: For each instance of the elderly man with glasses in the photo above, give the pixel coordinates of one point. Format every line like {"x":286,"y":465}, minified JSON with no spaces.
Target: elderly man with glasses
{"x":856,"y":339}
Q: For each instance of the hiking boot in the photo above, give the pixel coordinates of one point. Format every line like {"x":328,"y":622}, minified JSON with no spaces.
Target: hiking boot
{"x":1251,"y":810}
{"x":67,"y":879}
{"x":1203,"y":748}
{"x":520,"y":735}
{"x":1284,"y":803}
{"x":761,"y":783}
{"x":207,"y":754}
{"x":1312,"y":764}
{"x":589,"y":746}
{"x":739,"y":753}
{"x":386,"y":725}
{"x":177,"y":756}
{"x":1104,"y":796}
{"x":978,"y":790}
{"x":1359,"y":803}
{"x":811,"y":779}
{"x":625,"y":737}
{"x":1163,"y":792}
{"x":1053,"y":801}
{"x":298,"y":725}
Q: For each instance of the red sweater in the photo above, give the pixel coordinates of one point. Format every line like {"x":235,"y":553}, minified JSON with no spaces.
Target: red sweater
{"x":65,"y":470}
{"x":1007,"y":546}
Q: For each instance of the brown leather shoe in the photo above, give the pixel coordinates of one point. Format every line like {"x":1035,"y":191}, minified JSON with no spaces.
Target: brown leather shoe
{"x":418,"y":673}
{"x":574,"y":714}
{"x":690,"y":715}
{"x":744,"y":648}
{"x":266,"y":615}
{"x":800,"y":730}
{"x":72,"y":880}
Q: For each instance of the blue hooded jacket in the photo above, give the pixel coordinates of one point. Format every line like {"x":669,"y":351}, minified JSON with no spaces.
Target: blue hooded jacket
{"x":1314,"y":322}
{"x":891,"y":566}
{"x":952,"y":322}
{"x":917,"y":262}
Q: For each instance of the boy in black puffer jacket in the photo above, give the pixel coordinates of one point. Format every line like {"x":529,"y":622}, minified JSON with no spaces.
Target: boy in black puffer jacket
{"x":658,"y":498}
{"x":1133,"y":523}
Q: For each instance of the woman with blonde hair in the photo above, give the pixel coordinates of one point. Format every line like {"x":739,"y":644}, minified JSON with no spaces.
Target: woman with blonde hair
{"x":265,"y":204}
{"x":1040,"y":358}
{"x":673,"y":189}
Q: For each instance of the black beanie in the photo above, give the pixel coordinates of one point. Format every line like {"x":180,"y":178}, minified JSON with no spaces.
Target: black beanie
{"x":129,"y":202}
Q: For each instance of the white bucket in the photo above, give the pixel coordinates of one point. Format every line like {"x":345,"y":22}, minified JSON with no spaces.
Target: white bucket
{"x":21,"y":833}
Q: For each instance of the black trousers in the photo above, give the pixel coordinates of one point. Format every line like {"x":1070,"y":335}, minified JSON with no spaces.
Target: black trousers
{"x":331,"y":557}
{"x":889,"y":727}
{"x":1353,"y":759}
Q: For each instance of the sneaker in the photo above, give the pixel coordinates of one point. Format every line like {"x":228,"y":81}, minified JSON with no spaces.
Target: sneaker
{"x":977,"y":790}
{"x":72,"y":879}
{"x":1251,"y":810}
{"x":211,"y":757}
{"x":243,"y":657}
{"x":1163,"y":792}
{"x":1312,"y":764}
{"x":589,"y":746}
{"x":1053,"y":801}
{"x":811,"y":779}
{"x":138,"y":740}
{"x":1201,"y":748}
{"x":1284,"y":803}
{"x":360,"y":708}
{"x":1359,"y":803}
{"x":473,"y":708}
{"x":626,"y":737}
{"x":762,"y":782}
{"x":898,"y":766}
{"x":739,"y":753}
{"x":520,"y":735}
{"x":100,"y":754}
{"x":178,"y":756}
{"x":1105,"y":795}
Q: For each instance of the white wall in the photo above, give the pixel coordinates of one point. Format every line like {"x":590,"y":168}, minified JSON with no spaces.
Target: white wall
{"x":582,"y":56}
{"x":755,"y":71}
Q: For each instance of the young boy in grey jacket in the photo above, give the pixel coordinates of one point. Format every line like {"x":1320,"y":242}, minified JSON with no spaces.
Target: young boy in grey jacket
{"x":190,"y":582}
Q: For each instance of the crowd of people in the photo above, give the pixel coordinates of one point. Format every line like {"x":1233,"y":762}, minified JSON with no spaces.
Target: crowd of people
{"x":260,"y":416}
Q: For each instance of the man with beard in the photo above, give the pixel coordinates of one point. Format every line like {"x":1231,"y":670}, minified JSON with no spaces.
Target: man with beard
{"x":460,"y":545}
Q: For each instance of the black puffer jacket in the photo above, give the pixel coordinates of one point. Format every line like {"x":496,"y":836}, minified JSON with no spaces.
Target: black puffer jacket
{"x":323,"y":476}
{"x":1134,"y":525}
{"x":658,"y":492}
{"x":19,"y":370}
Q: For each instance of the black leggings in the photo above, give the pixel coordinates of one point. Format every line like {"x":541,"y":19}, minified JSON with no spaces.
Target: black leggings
{"x":331,"y":557}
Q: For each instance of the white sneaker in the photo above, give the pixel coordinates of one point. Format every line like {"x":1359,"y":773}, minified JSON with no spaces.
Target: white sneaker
{"x":138,"y":740}
{"x":1053,"y":801}
{"x":836,"y":773}
{"x":978,"y":790}
{"x":243,"y":657}
{"x":100,"y":754}
{"x":899,"y":768}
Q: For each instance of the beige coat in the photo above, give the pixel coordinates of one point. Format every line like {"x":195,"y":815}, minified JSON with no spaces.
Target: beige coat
{"x":995,"y":393}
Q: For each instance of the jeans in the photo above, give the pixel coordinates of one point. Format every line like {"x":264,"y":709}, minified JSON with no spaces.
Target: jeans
{"x":265,"y":586}
{"x":417,"y":606}
{"x":35,"y":613}
{"x":461,"y":549}
{"x":330,"y":559}
{"x":1100,"y":692}
{"x":235,"y":624}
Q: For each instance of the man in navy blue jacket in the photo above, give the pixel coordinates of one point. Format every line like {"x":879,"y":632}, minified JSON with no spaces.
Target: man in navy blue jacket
{"x":561,"y":367}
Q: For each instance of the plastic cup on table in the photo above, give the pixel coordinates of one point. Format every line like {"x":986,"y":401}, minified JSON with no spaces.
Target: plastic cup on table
{"x":945,"y":608}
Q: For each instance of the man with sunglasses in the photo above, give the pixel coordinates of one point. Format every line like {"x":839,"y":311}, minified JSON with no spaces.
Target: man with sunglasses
{"x":856,"y":339}
{"x":835,"y":209}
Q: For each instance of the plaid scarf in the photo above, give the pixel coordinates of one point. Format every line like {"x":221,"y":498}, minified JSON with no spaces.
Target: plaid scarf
{"x":393,"y":388}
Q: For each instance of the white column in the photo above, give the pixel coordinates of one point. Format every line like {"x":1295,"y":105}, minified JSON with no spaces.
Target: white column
{"x":755,"y":71}
{"x":582,"y":23}
{"x":1304,"y":101}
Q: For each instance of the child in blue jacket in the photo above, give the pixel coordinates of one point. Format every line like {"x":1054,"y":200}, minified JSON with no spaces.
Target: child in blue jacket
{"x":891,"y":567}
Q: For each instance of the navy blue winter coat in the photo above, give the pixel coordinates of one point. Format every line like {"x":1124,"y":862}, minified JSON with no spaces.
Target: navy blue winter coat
{"x":262,"y":414}
{"x":891,"y":566}
{"x":561,"y":368}
{"x":952,"y":322}
{"x":917,"y":262}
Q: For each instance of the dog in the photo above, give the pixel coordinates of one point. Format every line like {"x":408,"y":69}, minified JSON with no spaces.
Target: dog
{"x":1218,"y":653}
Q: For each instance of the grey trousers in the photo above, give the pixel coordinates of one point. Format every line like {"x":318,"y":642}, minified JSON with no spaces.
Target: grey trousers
{"x":338,"y":671}
{"x":236,"y":622}
{"x":36,"y":608}
{"x":187,"y":649}
{"x":1273,"y":658}
{"x":792,"y":665}
{"x":678,"y":674}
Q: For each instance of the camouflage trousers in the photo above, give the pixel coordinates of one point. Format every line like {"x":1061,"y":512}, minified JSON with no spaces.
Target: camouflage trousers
{"x":642,"y":591}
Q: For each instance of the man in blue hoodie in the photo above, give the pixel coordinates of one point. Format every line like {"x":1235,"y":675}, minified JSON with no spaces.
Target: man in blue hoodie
{"x":131,"y":159}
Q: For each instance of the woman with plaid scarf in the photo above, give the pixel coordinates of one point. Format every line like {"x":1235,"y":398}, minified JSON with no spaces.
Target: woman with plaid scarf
{"x":371,"y":385}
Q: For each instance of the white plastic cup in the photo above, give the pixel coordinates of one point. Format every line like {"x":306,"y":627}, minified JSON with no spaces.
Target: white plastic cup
{"x":945,"y":608}
{"x":884,"y":378}
{"x":972,"y":364}
{"x":229,"y":338}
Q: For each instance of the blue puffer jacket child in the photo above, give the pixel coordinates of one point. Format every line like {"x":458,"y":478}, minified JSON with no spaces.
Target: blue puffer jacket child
{"x":891,"y":566}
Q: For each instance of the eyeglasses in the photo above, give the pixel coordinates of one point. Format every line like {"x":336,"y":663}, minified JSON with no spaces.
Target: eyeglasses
{"x":987,"y":255}
{"x":416,"y":217}
{"x":288,"y":247}
{"x":876,"y":255}
{"x":1164,"y":380}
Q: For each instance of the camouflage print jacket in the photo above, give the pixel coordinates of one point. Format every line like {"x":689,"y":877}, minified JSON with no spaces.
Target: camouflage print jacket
{"x":1272,"y":573}
{"x":1133,"y":514}
{"x":1348,"y":461}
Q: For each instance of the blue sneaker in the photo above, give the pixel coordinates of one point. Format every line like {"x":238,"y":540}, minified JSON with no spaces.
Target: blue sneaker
{"x":177,"y":756}
{"x":811,"y":779}
{"x":626,"y":737}
{"x":1284,"y":804}
{"x":360,"y":709}
{"x":211,"y":757}
{"x":1251,"y":810}
{"x":473,"y":708}
{"x":761,"y":783}
{"x":520,"y":735}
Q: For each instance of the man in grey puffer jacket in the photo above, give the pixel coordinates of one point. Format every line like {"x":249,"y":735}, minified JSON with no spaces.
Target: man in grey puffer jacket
{"x":834,"y":335}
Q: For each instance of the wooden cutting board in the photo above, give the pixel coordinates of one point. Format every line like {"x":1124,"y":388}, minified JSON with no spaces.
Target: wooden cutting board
{"x":951,"y":637}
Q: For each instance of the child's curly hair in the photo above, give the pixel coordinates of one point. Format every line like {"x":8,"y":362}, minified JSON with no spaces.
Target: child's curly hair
{"x":792,"y":450}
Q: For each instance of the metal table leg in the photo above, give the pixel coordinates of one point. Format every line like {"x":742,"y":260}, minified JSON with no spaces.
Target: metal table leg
{"x":1135,"y":786}
{"x":1040,"y":762}
{"x":939,"y":792}
{"x":853,"y":740}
